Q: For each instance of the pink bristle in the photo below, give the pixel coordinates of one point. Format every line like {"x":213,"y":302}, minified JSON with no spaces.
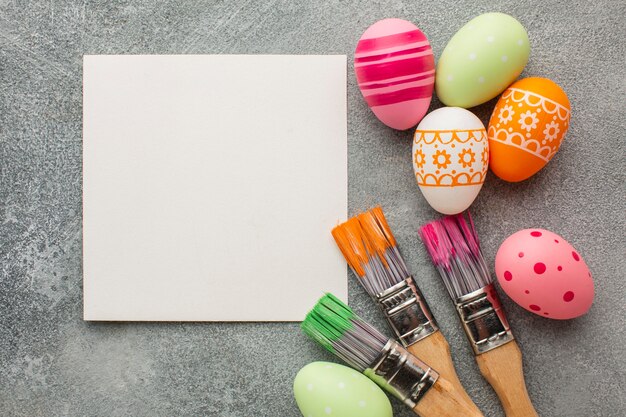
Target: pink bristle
{"x":453,"y":246}
{"x":469,"y":231}
{"x":430,"y":241}
{"x":435,"y":242}
{"x":457,"y":237}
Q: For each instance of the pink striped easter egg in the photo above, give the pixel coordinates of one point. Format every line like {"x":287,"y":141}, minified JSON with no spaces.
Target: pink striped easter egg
{"x":395,"y":70}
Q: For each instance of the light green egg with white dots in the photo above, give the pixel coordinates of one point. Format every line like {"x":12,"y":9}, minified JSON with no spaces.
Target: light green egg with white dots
{"x":325,"y":389}
{"x":481,"y":60}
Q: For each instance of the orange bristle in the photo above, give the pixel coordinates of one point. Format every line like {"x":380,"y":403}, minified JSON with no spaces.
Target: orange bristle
{"x":378,"y":232}
{"x":373,"y":235}
{"x":369,"y":247}
{"x":382,"y":221}
{"x":353,"y":244}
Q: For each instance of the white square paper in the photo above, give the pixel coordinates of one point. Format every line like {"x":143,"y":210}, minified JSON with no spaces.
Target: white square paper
{"x":211,"y":184}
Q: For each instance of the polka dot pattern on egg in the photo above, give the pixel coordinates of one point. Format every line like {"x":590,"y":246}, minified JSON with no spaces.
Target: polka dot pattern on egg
{"x":539,"y":268}
{"x":544,"y":274}
{"x":483,"y":58}
{"x":323,"y":389}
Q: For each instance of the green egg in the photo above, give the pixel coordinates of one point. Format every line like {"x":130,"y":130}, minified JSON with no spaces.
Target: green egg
{"x":481,"y":60}
{"x":325,"y":389}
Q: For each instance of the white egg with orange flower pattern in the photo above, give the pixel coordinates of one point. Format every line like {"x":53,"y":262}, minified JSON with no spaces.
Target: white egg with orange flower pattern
{"x":450,"y":158}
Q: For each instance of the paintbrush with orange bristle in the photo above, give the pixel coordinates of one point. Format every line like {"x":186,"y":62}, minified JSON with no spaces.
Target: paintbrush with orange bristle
{"x":371,"y":251}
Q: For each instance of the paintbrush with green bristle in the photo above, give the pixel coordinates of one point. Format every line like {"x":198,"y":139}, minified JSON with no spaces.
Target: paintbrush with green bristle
{"x":335,"y":326}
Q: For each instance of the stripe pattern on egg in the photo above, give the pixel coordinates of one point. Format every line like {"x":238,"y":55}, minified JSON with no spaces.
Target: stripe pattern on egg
{"x":395,"y":71}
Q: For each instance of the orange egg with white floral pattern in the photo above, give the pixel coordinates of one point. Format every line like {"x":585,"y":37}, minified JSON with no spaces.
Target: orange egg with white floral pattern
{"x":527,"y":127}
{"x":450,"y":158}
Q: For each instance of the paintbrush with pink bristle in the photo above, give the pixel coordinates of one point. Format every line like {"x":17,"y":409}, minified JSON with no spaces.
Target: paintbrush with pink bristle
{"x":453,"y":245}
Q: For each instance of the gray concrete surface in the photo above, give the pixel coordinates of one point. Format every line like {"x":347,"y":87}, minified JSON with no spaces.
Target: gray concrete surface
{"x":54,"y":364}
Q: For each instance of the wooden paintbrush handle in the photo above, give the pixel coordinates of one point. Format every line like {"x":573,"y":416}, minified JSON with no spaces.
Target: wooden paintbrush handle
{"x":502,"y":368}
{"x":435,"y":351}
{"x":444,"y":400}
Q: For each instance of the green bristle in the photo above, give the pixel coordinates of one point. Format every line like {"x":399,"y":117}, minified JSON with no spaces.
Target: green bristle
{"x":335,"y":312}
{"x":328,"y":321}
{"x":332,"y":324}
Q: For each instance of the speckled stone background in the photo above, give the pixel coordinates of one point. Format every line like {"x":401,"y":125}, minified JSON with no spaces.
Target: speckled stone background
{"x":54,"y":364}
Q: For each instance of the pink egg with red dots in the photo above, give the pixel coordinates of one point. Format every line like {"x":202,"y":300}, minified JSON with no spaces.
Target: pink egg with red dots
{"x":543,"y":273}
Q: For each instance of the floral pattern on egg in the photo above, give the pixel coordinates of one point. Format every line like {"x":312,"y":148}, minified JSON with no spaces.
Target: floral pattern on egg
{"x":462,"y":160}
{"x":523,"y":128}
{"x":450,"y":158}
{"x":544,"y":274}
{"x":527,"y":127}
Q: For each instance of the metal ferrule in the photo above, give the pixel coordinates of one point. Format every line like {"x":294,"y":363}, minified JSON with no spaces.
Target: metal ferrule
{"x":407,"y":312}
{"x":483,"y":319}
{"x":402,"y":374}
